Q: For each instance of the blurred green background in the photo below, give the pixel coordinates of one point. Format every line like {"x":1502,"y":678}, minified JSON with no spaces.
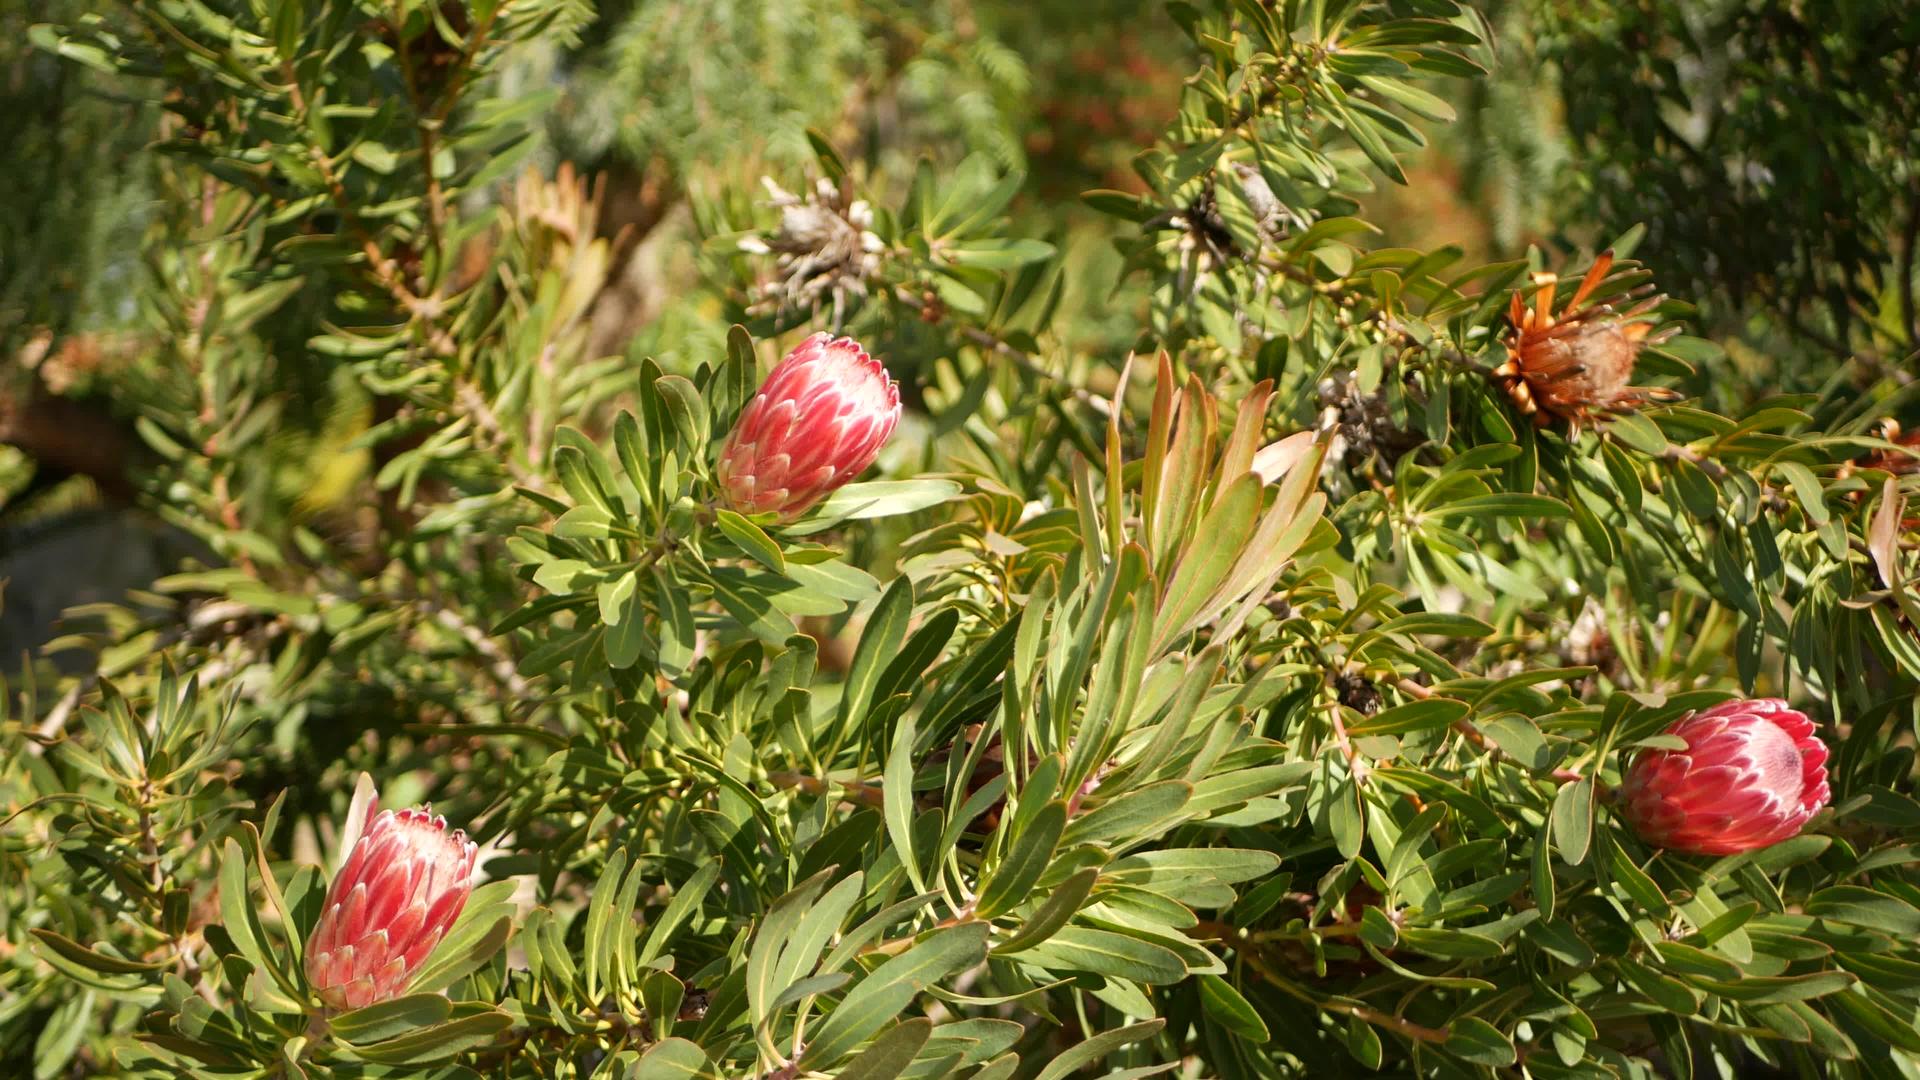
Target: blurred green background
{"x":1769,"y":148}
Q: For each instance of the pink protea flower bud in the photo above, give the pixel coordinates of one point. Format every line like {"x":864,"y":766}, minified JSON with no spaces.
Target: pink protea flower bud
{"x":1752,"y":774}
{"x":817,"y":422}
{"x":402,"y":887}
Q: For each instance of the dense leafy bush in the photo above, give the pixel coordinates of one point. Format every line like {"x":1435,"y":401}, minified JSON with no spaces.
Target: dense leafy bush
{"x":1256,"y":652}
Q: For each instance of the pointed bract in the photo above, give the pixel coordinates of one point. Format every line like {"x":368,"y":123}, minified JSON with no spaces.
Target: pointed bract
{"x":1753,"y":774}
{"x":817,"y":422}
{"x":401,"y":888}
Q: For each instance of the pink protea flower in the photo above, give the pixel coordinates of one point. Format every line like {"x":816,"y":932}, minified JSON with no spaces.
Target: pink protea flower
{"x":402,"y":887}
{"x":1752,"y":774}
{"x":817,"y":422}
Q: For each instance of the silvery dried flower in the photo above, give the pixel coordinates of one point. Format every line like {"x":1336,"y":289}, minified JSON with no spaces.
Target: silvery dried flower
{"x":825,"y":246}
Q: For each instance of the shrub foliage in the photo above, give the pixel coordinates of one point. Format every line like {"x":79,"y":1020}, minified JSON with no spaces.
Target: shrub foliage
{"x":1246,"y":705}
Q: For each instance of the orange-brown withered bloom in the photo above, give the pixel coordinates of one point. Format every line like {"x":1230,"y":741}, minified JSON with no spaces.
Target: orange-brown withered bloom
{"x":1577,"y":365}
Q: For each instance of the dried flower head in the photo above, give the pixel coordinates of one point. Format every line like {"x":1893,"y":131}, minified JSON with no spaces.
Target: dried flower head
{"x":825,"y":244}
{"x":1363,"y":424}
{"x":1578,"y":365}
{"x":1901,"y":461}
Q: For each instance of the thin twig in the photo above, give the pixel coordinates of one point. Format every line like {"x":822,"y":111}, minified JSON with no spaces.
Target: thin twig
{"x":469,"y":398}
{"x":1909,"y":240}
{"x":1418,"y":1032}
{"x":499,"y":663}
{"x":993,"y":344}
{"x":420,"y":311}
{"x":853,"y":791}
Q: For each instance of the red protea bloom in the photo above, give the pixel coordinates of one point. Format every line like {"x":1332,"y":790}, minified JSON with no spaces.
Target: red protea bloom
{"x":1752,"y":774}
{"x":1577,"y":365}
{"x":817,"y":422}
{"x":402,"y":887}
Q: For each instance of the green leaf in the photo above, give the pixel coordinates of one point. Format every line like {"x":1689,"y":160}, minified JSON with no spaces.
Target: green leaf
{"x":749,"y":538}
{"x":584,"y":523}
{"x":1475,"y":1040}
{"x":1450,"y":944}
{"x":1639,"y":433}
{"x":1224,"y":1005}
{"x":1861,"y":906}
{"x":1504,"y":504}
{"x":1757,"y":990}
{"x":831,"y":163}
{"x":1120,"y":204}
{"x":1070,"y":1061}
{"x":996,"y":254}
{"x":583,"y":470}
{"x":1620,"y":470}
{"x":1436,"y":623}
{"x":1026,"y":859}
{"x":1131,"y":815}
{"x":565,"y":576}
{"x":479,"y":933}
{"x":1103,"y":952}
{"x":629,"y":444}
{"x":671,"y":1059}
{"x":875,"y":499}
{"x":1227,"y":865}
{"x":677,"y":633}
{"x":91,"y":958}
{"x":1573,"y":820}
{"x":1371,"y":142}
{"x":1429,"y":106}
{"x":239,"y":919}
{"x":600,"y":917}
{"x":1806,"y":488}
{"x":1426,"y":714}
{"x":661,"y":993}
{"x":885,"y":629}
{"x":438,"y":1042}
{"x":1894,"y":1029}
{"x":688,"y":413}
{"x":1364,"y":1043}
{"x":612,"y":597}
{"x":1217,"y":545}
{"x":819,"y":926}
{"x":682,"y":907}
{"x":896,"y":792}
{"x":1053,"y":913}
{"x":627,"y":629}
{"x":770,"y":940}
{"x":390,"y":1018}
{"x":1223,"y":790}
{"x":882,"y":995}
{"x":891,"y":1053}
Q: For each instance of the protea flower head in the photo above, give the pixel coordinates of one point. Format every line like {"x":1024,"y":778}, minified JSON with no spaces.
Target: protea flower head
{"x":402,"y":887}
{"x":1578,"y":365}
{"x":817,"y":422}
{"x":1752,"y":774}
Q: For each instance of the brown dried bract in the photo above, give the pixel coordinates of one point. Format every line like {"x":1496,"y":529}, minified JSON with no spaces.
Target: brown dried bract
{"x":1898,"y":462}
{"x":1578,"y":365}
